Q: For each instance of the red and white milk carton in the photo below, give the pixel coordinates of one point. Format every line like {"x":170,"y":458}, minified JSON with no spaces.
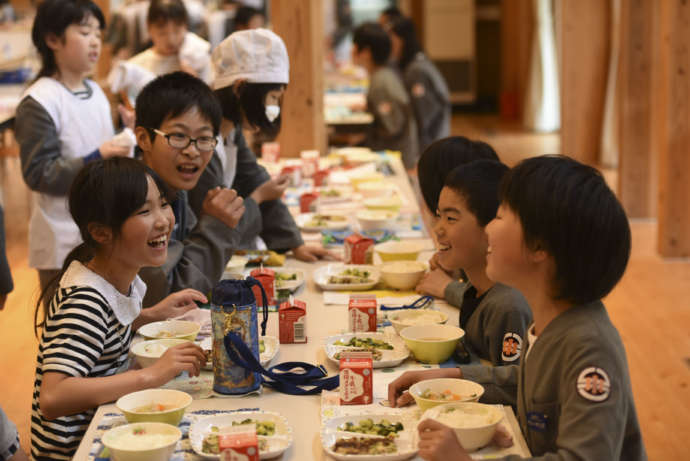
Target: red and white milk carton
{"x":310,"y":162}
{"x":294,"y":173}
{"x":292,"y":317}
{"x":307,"y":202}
{"x":359,"y":249}
{"x":239,"y":443}
{"x":321,"y":177}
{"x":267,"y":278}
{"x":270,"y":152}
{"x":361,"y":312}
{"x":356,"y":378}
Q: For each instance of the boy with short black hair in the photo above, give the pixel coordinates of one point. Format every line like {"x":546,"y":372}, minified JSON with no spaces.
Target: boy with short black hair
{"x":394,"y":126}
{"x":494,"y":316}
{"x":562,"y":238}
{"x":177,"y":121}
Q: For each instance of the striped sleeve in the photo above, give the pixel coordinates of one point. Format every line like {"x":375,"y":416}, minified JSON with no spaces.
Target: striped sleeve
{"x":75,"y":336}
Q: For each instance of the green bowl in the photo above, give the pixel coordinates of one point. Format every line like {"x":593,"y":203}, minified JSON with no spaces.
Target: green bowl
{"x":175,"y":403}
{"x":432,"y":343}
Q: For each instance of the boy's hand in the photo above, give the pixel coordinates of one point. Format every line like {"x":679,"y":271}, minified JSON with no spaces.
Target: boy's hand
{"x":438,"y":442}
{"x":312,"y":254}
{"x":397,"y":397}
{"x":434,"y":283}
{"x":178,"y":303}
{"x":184,"y":357}
{"x":225,"y":205}
{"x":110,"y":149}
{"x":272,"y":189}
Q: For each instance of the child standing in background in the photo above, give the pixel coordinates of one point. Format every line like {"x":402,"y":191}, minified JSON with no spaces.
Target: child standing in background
{"x":125,"y":221}
{"x":394,"y":126}
{"x":62,"y":122}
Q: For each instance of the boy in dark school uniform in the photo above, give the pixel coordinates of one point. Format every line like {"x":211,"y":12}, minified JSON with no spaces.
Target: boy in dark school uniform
{"x":562,"y":238}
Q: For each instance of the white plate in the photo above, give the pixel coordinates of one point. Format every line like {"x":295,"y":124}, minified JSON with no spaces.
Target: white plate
{"x":322,"y":274}
{"x":405,"y":441}
{"x":277,"y":444}
{"x":389,"y":358}
{"x":303,"y":223}
{"x":291,"y":285}
{"x":271,"y":346}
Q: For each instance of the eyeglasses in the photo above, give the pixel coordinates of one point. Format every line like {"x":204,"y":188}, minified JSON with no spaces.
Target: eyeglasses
{"x":182,"y":141}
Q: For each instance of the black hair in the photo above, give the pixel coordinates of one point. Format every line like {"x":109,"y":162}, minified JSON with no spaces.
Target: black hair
{"x":404,"y":28}
{"x":441,"y":157}
{"x":567,"y":210}
{"x":53,"y":17}
{"x":105,"y":192}
{"x":173,"y":94}
{"x":244,"y":14}
{"x":478,"y":182}
{"x":372,"y":36}
{"x":162,"y":11}
{"x":392,"y":13}
{"x":249,"y":100}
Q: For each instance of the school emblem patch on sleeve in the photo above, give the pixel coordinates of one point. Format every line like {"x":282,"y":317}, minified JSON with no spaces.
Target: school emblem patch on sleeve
{"x":384,"y":108}
{"x":594,"y":384}
{"x":512,"y":346}
{"x":418,"y":90}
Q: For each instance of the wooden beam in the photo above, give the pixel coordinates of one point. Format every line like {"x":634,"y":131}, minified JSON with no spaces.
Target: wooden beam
{"x":583,"y":27}
{"x":636,"y":163}
{"x":517,"y":26}
{"x":672,"y":126}
{"x":300,"y":24}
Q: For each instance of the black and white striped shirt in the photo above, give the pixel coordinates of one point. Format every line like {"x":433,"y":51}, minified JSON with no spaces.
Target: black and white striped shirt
{"x":82,"y":338}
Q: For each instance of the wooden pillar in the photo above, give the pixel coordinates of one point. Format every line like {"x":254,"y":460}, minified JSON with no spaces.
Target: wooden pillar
{"x":636,"y":166}
{"x":583,"y":29}
{"x":104,"y":62}
{"x":300,"y":24}
{"x":671,"y":129}
{"x":517,"y":26}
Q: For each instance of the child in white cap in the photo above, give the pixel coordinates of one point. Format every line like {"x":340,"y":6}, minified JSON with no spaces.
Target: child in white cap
{"x":251,"y":74}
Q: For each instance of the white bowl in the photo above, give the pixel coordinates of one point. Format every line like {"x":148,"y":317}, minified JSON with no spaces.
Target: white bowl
{"x":402,"y":275}
{"x":377,"y":219}
{"x":392,"y":203}
{"x":148,"y":352}
{"x":170,"y":329}
{"x":142,"y":441}
{"x":413,"y":317}
{"x":452,"y":390}
{"x":234,"y":269}
{"x":403,"y":250}
{"x":376,"y":189}
{"x":474,"y":423}
{"x":175,"y":403}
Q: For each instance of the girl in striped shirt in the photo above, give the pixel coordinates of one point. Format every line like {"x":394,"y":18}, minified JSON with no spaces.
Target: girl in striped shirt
{"x":125,"y":220}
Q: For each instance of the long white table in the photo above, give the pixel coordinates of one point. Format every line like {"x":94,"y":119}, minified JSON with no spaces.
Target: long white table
{"x":302,"y":412}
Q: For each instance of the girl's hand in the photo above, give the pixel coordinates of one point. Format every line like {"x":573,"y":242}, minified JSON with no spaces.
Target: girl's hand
{"x":438,"y":442}
{"x":225,"y":205}
{"x":312,"y":254}
{"x":111,"y":149}
{"x":178,"y":303}
{"x":127,"y":115}
{"x":397,"y":397}
{"x":434,"y":283}
{"x":184,"y":357}
{"x":273,"y":189}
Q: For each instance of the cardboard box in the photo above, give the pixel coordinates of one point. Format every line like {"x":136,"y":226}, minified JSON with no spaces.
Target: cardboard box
{"x":310,"y":162}
{"x":307,"y":202}
{"x":292,"y":317}
{"x":356,"y":378}
{"x":267,"y":278}
{"x":239,"y":443}
{"x":362,"y":313}
{"x":359,"y":249}
{"x":270,"y":152}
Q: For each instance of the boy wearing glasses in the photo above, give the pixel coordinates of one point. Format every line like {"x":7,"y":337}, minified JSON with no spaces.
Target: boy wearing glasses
{"x":177,"y":123}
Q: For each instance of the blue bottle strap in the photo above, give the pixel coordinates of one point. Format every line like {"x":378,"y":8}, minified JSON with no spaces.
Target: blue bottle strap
{"x":286,"y":380}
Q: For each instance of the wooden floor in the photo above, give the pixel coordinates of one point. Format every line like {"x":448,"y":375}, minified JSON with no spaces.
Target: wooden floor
{"x":650,"y":307}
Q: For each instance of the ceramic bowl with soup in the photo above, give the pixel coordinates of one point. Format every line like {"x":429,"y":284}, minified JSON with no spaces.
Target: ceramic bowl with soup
{"x":170,"y":329}
{"x":432,"y":392}
{"x":402,"y":275}
{"x":142,"y":442}
{"x":404,"y":250}
{"x":432,"y":343}
{"x":154,"y":405}
{"x":148,"y":352}
{"x":474,"y":423}
{"x":377,"y":219}
{"x":413,"y":317}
